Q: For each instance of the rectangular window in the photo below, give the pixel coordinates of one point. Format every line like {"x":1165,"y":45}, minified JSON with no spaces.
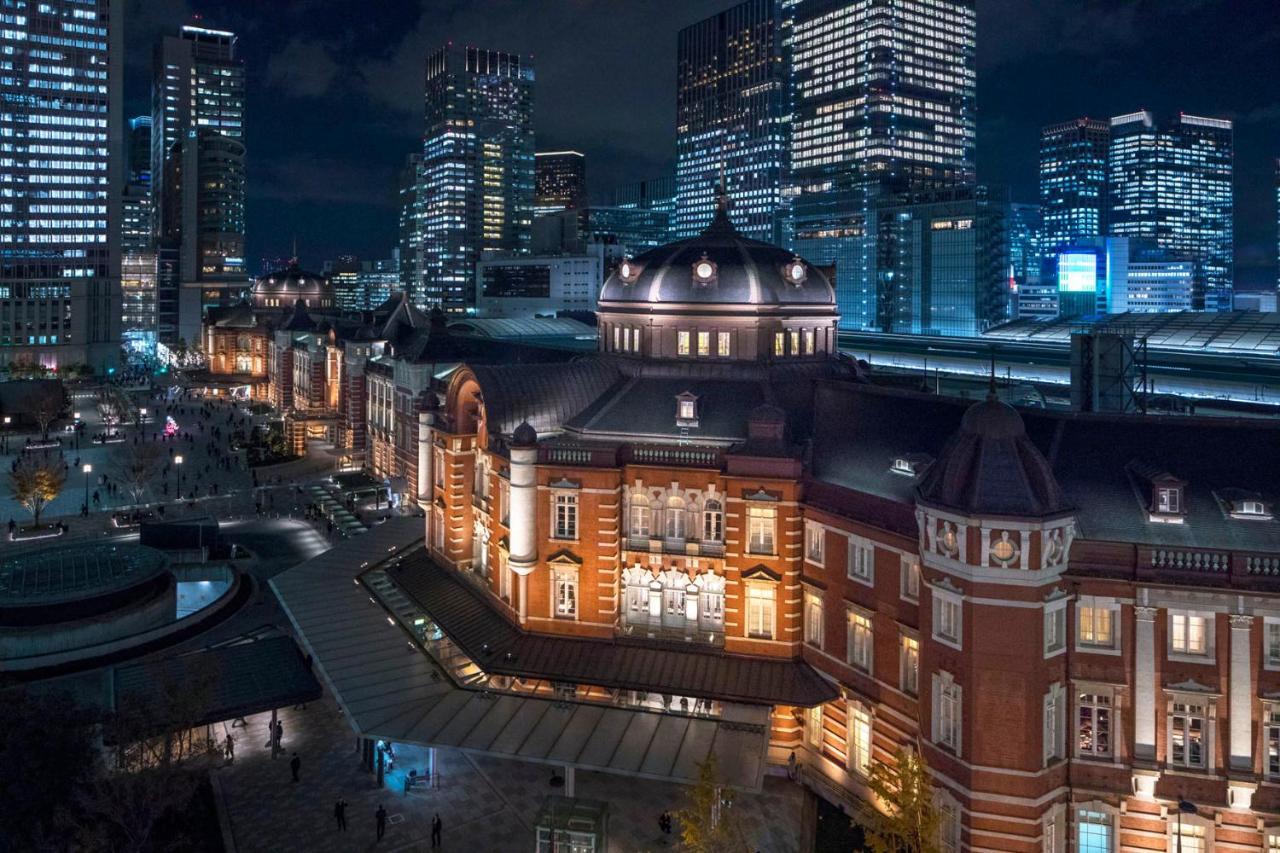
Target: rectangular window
{"x":1189,"y":633}
{"x":1271,"y":643}
{"x":910,"y":578}
{"x":909,"y":666}
{"x":808,"y":341}
{"x":760,"y":612}
{"x":1093,"y":726}
{"x":814,"y":540}
{"x":948,"y":828}
{"x":813,"y":619}
{"x":1055,"y":629}
{"x":761,"y":521}
{"x":704,"y":343}
{"x":862,"y":560}
{"x":779,"y":343}
{"x":504,"y":501}
{"x":946,"y":618}
{"x":565,"y":516}
{"x":437,"y":462}
{"x":1093,"y":832}
{"x":682,"y":343}
{"x":566,"y":595}
{"x":946,"y":722}
{"x":859,"y":641}
{"x":1272,"y":726}
{"x":859,"y":738}
{"x":1189,"y":839}
{"x":813,"y":727}
{"x":617,"y":334}
{"x":795,"y":341}
{"x":1188,"y":745}
{"x":1169,"y":500}
{"x":722,"y":344}
{"x":1054,"y":723}
{"x":1095,"y":626}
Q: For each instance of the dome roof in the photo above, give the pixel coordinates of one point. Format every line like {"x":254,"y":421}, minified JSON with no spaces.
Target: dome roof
{"x":990,"y":467}
{"x":722,"y":267}
{"x":291,"y":282}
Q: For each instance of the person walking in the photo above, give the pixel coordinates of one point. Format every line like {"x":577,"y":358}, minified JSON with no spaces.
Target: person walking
{"x":295,"y":764}
{"x":340,"y":814}
{"x":380,"y":818}
{"x":229,"y":748}
{"x":437,"y":827}
{"x":279,"y":734}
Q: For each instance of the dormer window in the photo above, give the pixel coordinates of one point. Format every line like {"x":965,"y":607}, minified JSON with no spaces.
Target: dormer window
{"x":1252,"y":509}
{"x":686,"y":409}
{"x":1245,"y":505}
{"x":1169,"y":499}
{"x":909,"y":464}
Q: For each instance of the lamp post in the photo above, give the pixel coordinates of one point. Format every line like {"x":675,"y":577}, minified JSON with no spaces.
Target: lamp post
{"x":75,"y":429}
{"x":7,"y":420}
{"x":177,"y":466}
{"x":1184,"y":807}
{"x":87,"y":469}
{"x":142,"y":417}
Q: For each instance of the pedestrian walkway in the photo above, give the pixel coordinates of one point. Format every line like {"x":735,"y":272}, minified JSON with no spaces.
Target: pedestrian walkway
{"x":485,"y":804}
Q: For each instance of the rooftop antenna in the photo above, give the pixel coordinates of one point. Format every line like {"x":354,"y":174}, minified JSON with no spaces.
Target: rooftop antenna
{"x":294,"y":258}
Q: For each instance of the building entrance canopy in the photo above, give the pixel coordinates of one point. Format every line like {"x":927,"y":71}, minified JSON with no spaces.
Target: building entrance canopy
{"x":391,"y":689}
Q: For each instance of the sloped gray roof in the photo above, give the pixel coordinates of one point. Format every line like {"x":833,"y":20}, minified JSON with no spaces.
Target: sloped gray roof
{"x":545,"y":395}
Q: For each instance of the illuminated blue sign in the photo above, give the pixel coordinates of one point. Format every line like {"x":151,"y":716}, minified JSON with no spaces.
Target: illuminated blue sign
{"x":1078,"y":272}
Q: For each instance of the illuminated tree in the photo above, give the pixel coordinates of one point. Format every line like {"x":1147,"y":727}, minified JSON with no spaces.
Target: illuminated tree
{"x":708,"y":823}
{"x":910,"y":820}
{"x":35,"y":482}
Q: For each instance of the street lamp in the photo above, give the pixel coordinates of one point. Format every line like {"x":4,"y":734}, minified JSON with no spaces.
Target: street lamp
{"x":87,"y":469}
{"x":7,"y":420}
{"x":1184,"y":807}
{"x":177,"y":462}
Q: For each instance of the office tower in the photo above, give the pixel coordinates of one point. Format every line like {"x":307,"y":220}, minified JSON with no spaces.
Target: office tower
{"x":1255,"y":300}
{"x":732,"y":118}
{"x":883,"y":100}
{"x":1115,"y":275}
{"x":1073,"y":180}
{"x":1278,"y":224}
{"x":1171,"y":183}
{"x":197,"y":175}
{"x":656,"y":194}
{"x":1024,"y":232}
{"x":379,"y":279}
{"x":409,"y":241}
{"x":138,"y":263}
{"x":560,"y":181}
{"x":344,"y":277}
{"x":532,"y":285}
{"x":474,"y":188}
{"x":941,"y":262}
{"x":630,"y":230}
{"x":61,"y":176}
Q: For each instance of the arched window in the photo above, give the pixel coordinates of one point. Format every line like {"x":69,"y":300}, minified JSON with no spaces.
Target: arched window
{"x":712,"y":522}
{"x":675,"y":518}
{"x":640,"y":516}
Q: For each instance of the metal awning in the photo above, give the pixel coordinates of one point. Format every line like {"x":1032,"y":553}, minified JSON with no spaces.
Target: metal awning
{"x":390,"y":689}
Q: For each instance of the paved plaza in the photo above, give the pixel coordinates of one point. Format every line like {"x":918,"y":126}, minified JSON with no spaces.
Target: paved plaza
{"x":485,"y":804}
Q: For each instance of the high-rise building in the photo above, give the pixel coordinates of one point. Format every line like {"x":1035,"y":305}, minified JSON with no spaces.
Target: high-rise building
{"x":1024,"y":228}
{"x":1115,"y":275}
{"x":474,"y":187}
{"x":1073,"y":180}
{"x":883,"y":99}
{"x":560,"y":181}
{"x":941,"y":262}
{"x":343,"y":275}
{"x":409,"y":241}
{"x":529,"y":285}
{"x":379,"y":279}
{"x":732,"y":118}
{"x":653,"y":194}
{"x":139,"y":262}
{"x":136,"y":212}
{"x":1171,"y":183}
{"x":632,"y":230}
{"x":1278,"y":224}
{"x":197,"y":174}
{"x":61,"y":173}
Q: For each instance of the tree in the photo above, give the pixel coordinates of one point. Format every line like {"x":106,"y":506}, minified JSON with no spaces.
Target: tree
{"x":708,"y":823}
{"x":35,"y":482}
{"x":909,"y":820}
{"x":138,"y":466}
{"x":46,"y":400}
{"x":115,"y":406}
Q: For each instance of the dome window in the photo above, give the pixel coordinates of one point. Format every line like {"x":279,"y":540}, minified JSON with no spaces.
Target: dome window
{"x":704,"y":270}
{"x":796,"y":272}
{"x":628,"y":270}
{"x":686,"y":409}
{"x":1004,"y":551}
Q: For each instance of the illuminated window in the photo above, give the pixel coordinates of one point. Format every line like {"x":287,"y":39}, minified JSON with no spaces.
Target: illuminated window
{"x":1093,"y":725}
{"x":722,"y":344}
{"x":1093,"y":832}
{"x":1188,"y":734}
{"x":704,"y":343}
{"x":946,"y":711}
{"x":1189,"y":633}
{"x":909,"y":578}
{"x":859,"y":738}
{"x":761,"y":521}
{"x":779,"y":343}
{"x":814,"y":540}
{"x":859,"y":642}
{"x":813,"y":619}
{"x":1095,"y":625}
{"x":566,"y":589}
{"x":909,"y":665}
{"x":760,"y":611}
{"x":682,"y":343}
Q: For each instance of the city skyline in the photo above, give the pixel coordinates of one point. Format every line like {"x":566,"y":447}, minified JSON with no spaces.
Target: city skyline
{"x":305,"y":180}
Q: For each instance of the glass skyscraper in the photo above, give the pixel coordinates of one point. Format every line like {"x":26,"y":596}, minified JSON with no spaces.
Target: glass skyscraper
{"x":560,"y":181}
{"x":1073,"y":180}
{"x":883,"y":97}
{"x":1170,"y":183}
{"x":60,"y":182}
{"x":138,"y":264}
{"x":197,"y":175}
{"x":475,"y":184}
{"x":732,"y":118}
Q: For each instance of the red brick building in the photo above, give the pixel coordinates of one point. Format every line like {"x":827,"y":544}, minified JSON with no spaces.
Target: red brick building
{"x":1075,"y":618}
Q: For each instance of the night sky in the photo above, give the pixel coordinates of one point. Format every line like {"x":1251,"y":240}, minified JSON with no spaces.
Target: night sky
{"x":335,"y":92}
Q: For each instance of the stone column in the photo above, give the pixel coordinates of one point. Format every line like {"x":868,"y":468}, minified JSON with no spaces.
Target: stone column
{"x":1240,"y":707}
{"x":1144,"y":683}
{"x":523,"y":517}
{"x":426,"y":477}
